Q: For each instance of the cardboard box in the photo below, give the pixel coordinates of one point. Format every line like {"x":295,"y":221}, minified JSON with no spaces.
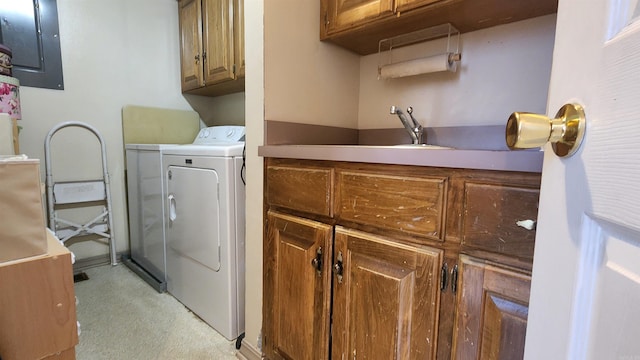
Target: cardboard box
{"x":38,"y":306}
{"x":22,"y":226}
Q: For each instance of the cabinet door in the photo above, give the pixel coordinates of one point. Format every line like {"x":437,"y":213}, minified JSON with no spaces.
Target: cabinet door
{"x":404,"y":5}
{"x":344,"y":14}
{"x":238,"y":36}
{"x":386,"y":302}
{"x":218,"y":40}
{"x":190,"y":18}
{"x":493,"y":305}
{"x":296,"y":295}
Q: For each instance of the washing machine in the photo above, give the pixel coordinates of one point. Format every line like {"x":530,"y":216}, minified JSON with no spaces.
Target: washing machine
{"x":204,"y":226}
{"x":145,"y":191}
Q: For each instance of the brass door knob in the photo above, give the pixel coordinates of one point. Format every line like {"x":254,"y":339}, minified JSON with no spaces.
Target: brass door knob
{"x":565,"y":131}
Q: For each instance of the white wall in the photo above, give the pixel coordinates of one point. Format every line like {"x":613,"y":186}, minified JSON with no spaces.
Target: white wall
{"x":114,"y":53}
{"x":306,"y":80}
{"x":503,"y":69}
{"x":254,"y":109}
{"x":219,"y":110}
{"x":293,"y":77}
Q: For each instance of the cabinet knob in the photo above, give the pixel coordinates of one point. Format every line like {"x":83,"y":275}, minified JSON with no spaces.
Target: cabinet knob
{"x":565,"y":131}
{"x":316,"y":262}
{"x":338,"y":268}
{"x":443,"y":276}
{"x":197,"y":58}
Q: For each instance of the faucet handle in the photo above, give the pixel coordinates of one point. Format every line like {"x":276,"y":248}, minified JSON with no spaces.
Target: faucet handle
{"x":416,"y":124}
{"x":393,"y":109}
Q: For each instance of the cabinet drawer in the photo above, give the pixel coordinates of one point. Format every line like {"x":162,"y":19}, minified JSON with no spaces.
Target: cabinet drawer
{"x":298,"y":188}
{"x":491,"y":215}
{"x":414,"y":205}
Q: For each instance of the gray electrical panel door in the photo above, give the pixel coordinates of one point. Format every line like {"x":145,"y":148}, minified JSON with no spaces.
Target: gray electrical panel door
{"x":30,"y":29}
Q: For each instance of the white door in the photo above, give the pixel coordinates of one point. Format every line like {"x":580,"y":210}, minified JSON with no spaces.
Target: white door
{"x":585,"y":296}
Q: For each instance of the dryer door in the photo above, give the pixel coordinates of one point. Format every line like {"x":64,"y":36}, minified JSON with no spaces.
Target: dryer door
{"x":193,"y":230}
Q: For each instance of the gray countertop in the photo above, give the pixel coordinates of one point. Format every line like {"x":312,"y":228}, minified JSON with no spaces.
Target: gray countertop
{"x":526,"y":161}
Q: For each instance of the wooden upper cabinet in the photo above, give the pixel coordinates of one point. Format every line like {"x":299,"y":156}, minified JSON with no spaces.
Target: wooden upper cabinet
{"x":218,"y":40}
{"x":493,"y":307}
{"x":359,"y":25}
{"x":343,"y":14}
{"x":386,"y":300}
{"x":238,"y":38}
{"x":190,"y":18}
{"x":405,"y":5}
{"x":297,"y":279}
{"x":212,"y":46}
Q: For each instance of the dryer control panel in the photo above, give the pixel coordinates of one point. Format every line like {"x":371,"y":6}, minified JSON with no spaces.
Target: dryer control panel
{"x":215,"y":135}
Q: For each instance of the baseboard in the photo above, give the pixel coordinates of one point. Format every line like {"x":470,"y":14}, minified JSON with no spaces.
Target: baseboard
{"x":248,"y":352}
{"x":87,"y":263}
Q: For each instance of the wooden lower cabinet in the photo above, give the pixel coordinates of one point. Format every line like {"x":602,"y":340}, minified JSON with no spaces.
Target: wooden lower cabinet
{"x":493,"y":305}
{"x":297,"y":307}
{"x":366,"y":261}
{"x":385,"y":294}
{"x":385,"y":298}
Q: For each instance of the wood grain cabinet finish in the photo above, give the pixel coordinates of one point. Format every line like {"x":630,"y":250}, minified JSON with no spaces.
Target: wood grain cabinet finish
{"x":406,"y":5}
{"x":211,"y":46}
{"x":359,"y":25}
{"x":191,"y":48}
{"x":407,"y":203}
{"x":344,"y":14}
{"x":491,"y":218}
{"x":411,"y":257}
{"x":297,"y":295}
{"x":385,"y":304}
{"x":306,"y":189}
{"x":491,"y":320}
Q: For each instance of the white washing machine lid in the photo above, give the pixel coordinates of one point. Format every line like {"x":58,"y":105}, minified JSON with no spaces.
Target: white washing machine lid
{"x":224,"y":141}
{"x":223,"y":150}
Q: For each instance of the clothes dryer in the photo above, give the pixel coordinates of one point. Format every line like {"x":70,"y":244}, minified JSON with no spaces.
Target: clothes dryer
{"x":204,"y":227}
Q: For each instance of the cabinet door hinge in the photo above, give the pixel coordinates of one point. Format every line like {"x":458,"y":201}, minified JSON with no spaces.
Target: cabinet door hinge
{"x":234,"y":71}
{"x":326,"y":20}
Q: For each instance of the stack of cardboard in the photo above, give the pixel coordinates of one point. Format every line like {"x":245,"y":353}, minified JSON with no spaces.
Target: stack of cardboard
{"x":37,"y":299}
{"x":22,"y":228}
{"x":37,"y":306}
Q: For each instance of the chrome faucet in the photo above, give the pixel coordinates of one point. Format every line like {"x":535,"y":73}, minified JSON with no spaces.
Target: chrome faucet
{"x":412,"y":126}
